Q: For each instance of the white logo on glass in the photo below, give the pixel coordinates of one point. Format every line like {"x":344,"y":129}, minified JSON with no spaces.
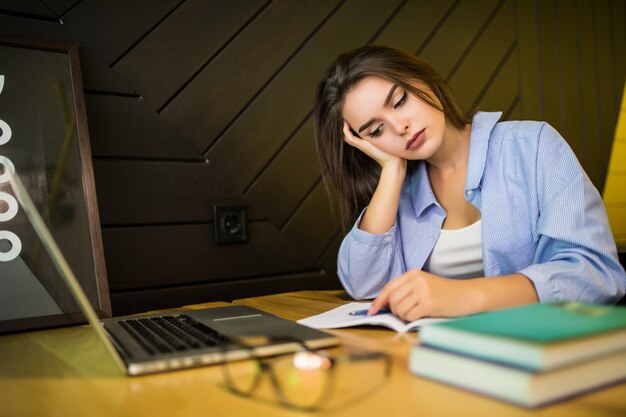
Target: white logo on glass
{"x":5,"y":132}
{"x":14,"y":240}
{"x":12,"y":210}
{"x":9,"y":168}
{"x":16,"y":246}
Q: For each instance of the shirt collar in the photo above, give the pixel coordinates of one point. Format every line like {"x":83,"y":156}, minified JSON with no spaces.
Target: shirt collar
{"x":419,"y":185}
{"x":420,"y":190}
{"x":482,"y":125}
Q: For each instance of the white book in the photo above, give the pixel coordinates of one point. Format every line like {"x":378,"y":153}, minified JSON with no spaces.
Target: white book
{"x":516,"y":385}
{"x":341,"y":317}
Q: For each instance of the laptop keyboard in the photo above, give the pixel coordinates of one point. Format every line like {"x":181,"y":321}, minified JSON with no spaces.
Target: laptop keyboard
{"x":169,"y":334}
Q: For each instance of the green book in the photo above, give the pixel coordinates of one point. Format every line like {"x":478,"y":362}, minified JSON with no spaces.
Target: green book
{"x":536,"y":336}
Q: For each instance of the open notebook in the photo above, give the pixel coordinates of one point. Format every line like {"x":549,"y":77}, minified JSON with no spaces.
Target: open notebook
{"x":161,"y":342}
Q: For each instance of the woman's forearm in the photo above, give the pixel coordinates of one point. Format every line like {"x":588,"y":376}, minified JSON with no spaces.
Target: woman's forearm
{"x":505,"y":291}
{"x":381,"y":213}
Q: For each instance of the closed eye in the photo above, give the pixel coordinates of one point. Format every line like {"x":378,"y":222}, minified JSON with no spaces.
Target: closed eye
{"x":376,"y":132}
{"x":400,"y":102}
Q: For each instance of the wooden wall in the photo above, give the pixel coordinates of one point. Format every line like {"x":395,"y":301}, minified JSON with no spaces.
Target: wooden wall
{"x":193,"y":103}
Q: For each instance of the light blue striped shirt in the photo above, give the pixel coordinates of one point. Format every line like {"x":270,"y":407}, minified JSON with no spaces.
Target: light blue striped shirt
{"x":541,"y":217}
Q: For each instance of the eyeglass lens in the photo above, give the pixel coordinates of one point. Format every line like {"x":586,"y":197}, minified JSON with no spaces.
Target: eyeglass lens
{"x":300,"y":380}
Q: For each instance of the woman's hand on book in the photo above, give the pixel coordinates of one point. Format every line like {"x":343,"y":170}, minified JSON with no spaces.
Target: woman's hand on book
{"x":416,"y":294}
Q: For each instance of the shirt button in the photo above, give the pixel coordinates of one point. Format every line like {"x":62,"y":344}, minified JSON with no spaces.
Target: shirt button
{"x":469,"y":193}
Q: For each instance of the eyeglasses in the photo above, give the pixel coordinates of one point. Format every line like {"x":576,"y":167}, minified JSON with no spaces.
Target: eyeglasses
{"x":303,"y":380}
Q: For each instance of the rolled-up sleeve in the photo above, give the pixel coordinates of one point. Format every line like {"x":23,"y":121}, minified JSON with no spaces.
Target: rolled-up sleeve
{"x":366,"y":261}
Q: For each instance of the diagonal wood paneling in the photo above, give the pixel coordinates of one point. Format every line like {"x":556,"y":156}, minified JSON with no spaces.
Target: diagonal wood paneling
{"x":411,"y":28}
{"x":124,"y":127}
{"x":60,"y":7}
{"x":97,"y":75}
{"x":502,"y":93}
{"x":105,"y":30}
{"x":589,"y":93}
{"x":172,"y":83}
{"x":526,"y":11}
{"x":260,"y":131}
{"x":144,"y":192}
{"x":28,"y":8}
{"x":263,"y":127}
{"x":15,"y":25}
{"x":179,"y":46}
{"x":112,"y":27}
{"x":549,"y":64}
{"x":570,"y":78}
{"x":490,"y":51}
{"x":213,"y":99}
{"x":313,"y":225}
{"x":455,"y":34}
{"x":295,"y":179}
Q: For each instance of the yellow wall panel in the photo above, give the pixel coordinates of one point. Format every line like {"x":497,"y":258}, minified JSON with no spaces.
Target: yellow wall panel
{"x":615,"y":189}
{"x":617,"y":219}
{"x":614,"y":194}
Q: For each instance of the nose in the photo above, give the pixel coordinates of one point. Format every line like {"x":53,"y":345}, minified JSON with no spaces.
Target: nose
{"x":402,"y":126}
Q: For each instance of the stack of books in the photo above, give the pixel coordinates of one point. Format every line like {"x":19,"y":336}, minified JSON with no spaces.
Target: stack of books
{"x":530,"y":355}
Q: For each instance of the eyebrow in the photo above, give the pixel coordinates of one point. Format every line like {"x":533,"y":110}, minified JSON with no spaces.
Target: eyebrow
{"x":387,"y":100}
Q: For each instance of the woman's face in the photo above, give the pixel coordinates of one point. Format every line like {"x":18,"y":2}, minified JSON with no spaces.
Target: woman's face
{"x":394,"y":120}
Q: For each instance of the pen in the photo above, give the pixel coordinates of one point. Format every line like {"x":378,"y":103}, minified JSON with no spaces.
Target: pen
{"x":364,"y":312}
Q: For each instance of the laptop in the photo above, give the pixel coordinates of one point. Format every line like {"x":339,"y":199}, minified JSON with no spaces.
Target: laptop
{"x":154,"y":343}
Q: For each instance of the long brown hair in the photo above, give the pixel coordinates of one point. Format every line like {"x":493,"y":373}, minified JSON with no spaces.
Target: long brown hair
{"x":353,"y":174}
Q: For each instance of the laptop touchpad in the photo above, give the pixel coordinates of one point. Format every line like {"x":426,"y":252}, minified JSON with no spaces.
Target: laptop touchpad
{"x":253,"y":324}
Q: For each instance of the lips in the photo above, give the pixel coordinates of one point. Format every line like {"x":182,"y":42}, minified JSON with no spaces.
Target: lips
{"x":416,"y":140}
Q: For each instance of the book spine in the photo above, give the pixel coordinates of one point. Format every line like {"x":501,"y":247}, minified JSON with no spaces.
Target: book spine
{"x":526,"y":355}
{"x":455,"y":370}
{"x":521,"y":387}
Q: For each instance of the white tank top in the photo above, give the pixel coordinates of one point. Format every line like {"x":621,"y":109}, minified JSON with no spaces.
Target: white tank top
{"x":457,"y":253}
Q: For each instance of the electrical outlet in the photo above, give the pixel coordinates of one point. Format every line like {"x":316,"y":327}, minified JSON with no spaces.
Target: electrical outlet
{"x":230,"y":224}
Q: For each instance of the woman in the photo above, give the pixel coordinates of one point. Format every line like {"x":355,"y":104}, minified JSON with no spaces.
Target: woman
{"x":453,"y":214}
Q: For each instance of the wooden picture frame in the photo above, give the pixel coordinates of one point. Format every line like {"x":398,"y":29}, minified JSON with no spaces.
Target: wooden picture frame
{"x":44,"y":140}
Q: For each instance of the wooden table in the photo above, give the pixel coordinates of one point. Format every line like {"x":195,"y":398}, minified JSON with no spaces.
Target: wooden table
{"x":64,"y":372}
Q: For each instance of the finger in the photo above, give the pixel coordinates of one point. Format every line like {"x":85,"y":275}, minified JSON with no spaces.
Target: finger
{"x":401,"y":303}
{"x":382,"y":299}
{"x":364,"y":145}
{"x":379,"y":302}
{"x":348,"y":135}
{"x":399,"y":298}
{"x":357,"y":142}
{"x":416,"y":312}
{"x":406,"y":295}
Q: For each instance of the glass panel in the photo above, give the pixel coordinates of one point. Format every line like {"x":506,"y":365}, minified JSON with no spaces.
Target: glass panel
{"x":39,"y":142}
